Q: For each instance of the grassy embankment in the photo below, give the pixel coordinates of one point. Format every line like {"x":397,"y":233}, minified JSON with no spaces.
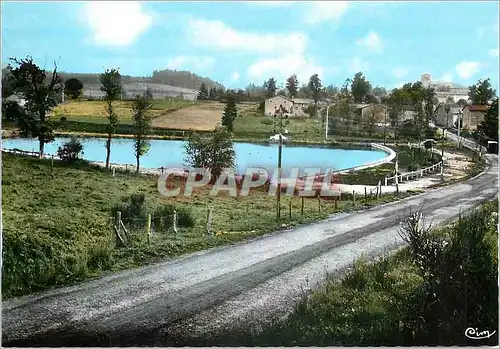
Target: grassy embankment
{"x":408,"y":298}
{"x":57,"y":223}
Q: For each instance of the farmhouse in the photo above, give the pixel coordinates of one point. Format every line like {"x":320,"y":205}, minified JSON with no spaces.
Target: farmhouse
{"x":366,"y":111}
{"x":473,"y":115}
{"x":15,"y":98}
{"x":294,"y":107}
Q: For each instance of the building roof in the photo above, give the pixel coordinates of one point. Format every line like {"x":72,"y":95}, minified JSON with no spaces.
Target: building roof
{"x":477,"y":107}
{"x":302,"y":100}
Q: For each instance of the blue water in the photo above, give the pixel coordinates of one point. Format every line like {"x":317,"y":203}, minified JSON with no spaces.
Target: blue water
{"x":168,"y":153}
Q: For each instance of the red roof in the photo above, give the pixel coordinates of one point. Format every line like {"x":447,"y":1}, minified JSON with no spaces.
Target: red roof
{"x":477,"y":107}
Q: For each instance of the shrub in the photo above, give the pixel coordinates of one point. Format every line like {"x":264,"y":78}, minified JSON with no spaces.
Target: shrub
{"x":70,"y":151}
{"x":412,"y":167}
{"x":163,"y":217}
{"x":133,"y":209}
{"x":63,"y":119}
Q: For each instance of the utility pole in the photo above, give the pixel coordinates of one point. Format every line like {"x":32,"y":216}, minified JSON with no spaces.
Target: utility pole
{"x":326,"y":131}
{"x":459,"y":123}
{"x":280,"y":148}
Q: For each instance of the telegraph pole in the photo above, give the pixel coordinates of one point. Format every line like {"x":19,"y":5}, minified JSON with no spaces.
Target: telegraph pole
{"x":280,"y":148}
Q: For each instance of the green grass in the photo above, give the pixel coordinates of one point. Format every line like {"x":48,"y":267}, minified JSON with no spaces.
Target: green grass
{"x":390,"y":302}
{"x":57,"y":223}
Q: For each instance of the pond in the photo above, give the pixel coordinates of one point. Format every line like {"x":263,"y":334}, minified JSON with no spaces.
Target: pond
{"x":170,"y":153}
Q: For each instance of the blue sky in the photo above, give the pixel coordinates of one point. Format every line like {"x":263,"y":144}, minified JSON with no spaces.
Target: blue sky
{"x":241,"y":42}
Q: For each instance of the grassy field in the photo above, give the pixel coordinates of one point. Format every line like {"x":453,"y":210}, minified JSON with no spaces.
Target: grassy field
{"x":201,"y":117}
{"x":94,"y":111}
{"x":393,"y":301}
{"x":57,"y":222}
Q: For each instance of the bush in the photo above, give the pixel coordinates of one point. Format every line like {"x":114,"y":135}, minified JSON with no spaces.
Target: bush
{"x":412,"y":167}
{"x":459,"y":271}
{"x":63,"y":119}
{"x":70,"y":151}
{"x":163,"y":217}
{"x":133,"y":210}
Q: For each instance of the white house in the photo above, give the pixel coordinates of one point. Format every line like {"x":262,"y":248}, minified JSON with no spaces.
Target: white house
{"x":294,"y":107}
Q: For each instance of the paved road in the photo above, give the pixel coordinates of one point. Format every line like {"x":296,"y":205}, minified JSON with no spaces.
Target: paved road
{"x":170,"y":302}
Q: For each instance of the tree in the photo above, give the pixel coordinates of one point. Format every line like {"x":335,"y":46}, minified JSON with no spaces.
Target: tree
{"x":304,"y":92}
{"x":7,"y":88}
{"x":360,"y":88}
{"x":292,"y":85}
{"x":212,"y":95}
{"x":270,"y":87}
{"x":142,"y":126}
{"x":316,"y":87}
{"x":215,"y":152}
{"x":70,"y":151}
{"x":371,"y":99}
{"x":111,"y":85}
{"x":462,"y":102}
{"x":12,"y":111}
{"x":481,"y":93}
{"x":148,"y":94}
{"x":489,"y":126}
{"x":230,"y":113}
{"x":379,"y":91}
{"x":203,"y":92}
{"x":41,"y":95}
{"x":73,"y":88}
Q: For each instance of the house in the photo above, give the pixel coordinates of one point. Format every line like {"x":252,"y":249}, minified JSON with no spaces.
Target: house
{"x":367,"y":110}
{"x":293,"y":107}
{"x":447,"y":115}
{"x":15,"y":98}
{"x":473,"y":115}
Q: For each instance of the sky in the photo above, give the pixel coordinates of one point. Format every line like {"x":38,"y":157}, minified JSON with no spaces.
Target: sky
{"x":237,"y":43}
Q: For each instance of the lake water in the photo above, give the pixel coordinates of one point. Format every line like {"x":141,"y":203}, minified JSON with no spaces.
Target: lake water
{"x":170,"y":153}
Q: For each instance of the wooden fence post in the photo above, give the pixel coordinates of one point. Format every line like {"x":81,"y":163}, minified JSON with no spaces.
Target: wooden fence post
{"x":319,"y":204}
{"x":114,"y":171}
{"x":175,"y":222}
{"x":209,"y":222}
{"x":148,"y":227}
{"x":290,"y":209}
{"x":366,"y":197}
{"x":353,"y":197}
{"x":52,"y":163}
{"x":302,"y":207}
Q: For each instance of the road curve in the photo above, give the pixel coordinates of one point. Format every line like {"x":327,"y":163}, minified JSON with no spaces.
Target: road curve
{"x":201,"y":292}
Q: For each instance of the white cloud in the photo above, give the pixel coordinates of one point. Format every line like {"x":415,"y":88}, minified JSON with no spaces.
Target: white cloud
{"x":371,"y":41}
{"x":322,"y":11}
{"x":116,"y":23}
{"x":217,"y":34}
{"x":282,"y":67}
{"x":235,"y":77}
{"x":493,"y":52}
{"x":399,"y":85}
{"x":400,"y":72}
{"x":467,"y":69}
{"x":356,"y":64}
{"x":192,"y":62}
